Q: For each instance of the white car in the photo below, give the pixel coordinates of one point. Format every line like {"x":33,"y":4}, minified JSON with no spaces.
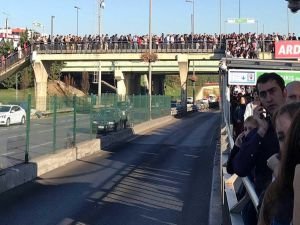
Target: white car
{"x":12,"y":114}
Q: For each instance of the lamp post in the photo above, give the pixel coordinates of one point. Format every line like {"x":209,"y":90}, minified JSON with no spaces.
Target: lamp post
{"x":101,"y":6}
{"x":288,"y":21}
{"x":77,"y":9}
{"x":192,"y":20}
{"x":193,"y":30}
{"x":52,"y":18}
{"x":150,"y":53}
{"x":6,"y":24}
{"x":239,"y":16}
{"x":220,"y":6}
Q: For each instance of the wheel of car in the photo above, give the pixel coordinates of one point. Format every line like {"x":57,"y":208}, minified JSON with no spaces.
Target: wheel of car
{"x":23,"y":120}
{"x":8,"y":122}
{"x":115,"y":127}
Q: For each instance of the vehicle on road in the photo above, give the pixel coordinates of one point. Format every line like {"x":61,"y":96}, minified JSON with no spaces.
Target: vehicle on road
{"x":12,"y":114}
{"x":108,"y":119}
{"x":177,"y":109}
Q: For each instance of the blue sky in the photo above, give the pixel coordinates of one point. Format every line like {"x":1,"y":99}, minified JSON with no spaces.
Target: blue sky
{"x":132,"y":16}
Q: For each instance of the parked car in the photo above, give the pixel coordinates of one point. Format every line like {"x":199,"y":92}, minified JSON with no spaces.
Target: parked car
{"x":108,"y":119}
{"x":12,"y":114}
{"x":177,"y":109}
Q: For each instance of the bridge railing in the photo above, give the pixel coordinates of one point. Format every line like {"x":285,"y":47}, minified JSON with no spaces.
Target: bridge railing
{"x":6,"y":63}
{"x":134,"y":47}
{"x":231,"y":183}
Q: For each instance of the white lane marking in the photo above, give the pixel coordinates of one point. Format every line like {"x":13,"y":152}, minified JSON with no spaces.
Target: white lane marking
{"x":45,"y":131}
{"x":8,"y":153}
{"x":46,"y":143}
{"x":16,"y":136}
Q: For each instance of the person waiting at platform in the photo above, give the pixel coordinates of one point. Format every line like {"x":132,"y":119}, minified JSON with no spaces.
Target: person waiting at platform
{"x":249,"y":124}
{"x":296,"y":187}
{"x":238,"y":116}
{"x":278,"y":203}
{"x":293,"y":91}
{"x":282,"y":120}
{"x":251,"y":105}
{"x":252,"y":159}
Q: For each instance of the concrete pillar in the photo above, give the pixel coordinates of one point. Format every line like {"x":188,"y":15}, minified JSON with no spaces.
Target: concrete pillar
{"x":41,"y":84}
{"x":121,"y":87}
{"x":183,"y":65}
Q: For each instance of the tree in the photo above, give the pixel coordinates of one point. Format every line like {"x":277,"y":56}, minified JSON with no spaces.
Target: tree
{"x":26,"y":78}
{"x":55,"y":70}
{"x":69,"y":81}
{"x":85,"y":84}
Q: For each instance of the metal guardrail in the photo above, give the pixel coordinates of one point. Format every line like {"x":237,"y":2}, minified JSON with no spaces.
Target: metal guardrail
{"x":234,"y":206}
{"x":7,"y":63}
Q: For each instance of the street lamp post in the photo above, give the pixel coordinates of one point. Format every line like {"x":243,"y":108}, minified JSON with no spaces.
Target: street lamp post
{"x":150,"y":53}
{"x":6,"y":24}
{"x":192,"y":21}
{"x":239,"y":16}
{"x":52,"y":18}
{"x":77,"y":9}
{"x":193,"y":30}
{"x":101,"y":6}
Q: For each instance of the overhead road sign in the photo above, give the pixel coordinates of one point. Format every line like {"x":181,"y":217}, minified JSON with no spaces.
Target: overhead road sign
{"x":240,"y":20}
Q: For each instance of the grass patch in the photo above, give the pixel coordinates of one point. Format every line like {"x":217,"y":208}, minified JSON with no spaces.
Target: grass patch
{"x":10,"y":94}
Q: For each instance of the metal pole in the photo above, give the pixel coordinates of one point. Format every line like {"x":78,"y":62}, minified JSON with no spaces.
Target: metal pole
{"x":27,"y":128}
{"x":52,"y":17}
{"x":239,"y":16}
{"x":16,"y":86}
{"x":150,"y":52}
{"x":74,"y":121}
{"x":288,"y":21}
{"x":77,"y":9}
{"x":101,"y":5}
{"x":220,"y":24}
{"x":54,"y":122}
{"x":99,"y":81}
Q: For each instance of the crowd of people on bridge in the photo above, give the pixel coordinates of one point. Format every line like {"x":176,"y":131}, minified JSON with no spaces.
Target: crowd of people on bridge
{"x":266,"y":122}
{"x":244,"y":45}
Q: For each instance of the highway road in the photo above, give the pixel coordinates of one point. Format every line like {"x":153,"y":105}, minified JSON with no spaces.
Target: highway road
{"x":161,"y":177}
{"x":13,"y":138}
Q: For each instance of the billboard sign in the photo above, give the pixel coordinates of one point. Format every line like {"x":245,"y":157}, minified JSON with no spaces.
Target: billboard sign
{"x":249,"y":77}
{"x":287,"y":50}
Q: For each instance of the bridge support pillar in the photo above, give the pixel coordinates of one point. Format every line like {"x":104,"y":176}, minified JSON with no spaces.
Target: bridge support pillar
{"x":121,"y":87}
{"x":183,"y":65}
{"x":41,"y":79}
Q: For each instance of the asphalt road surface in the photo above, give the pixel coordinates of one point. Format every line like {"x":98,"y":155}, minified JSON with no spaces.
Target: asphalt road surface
{"x":161,"y":177}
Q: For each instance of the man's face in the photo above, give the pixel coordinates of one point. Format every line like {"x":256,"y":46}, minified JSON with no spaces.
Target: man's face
{"x":293,"y":92}
{"x":271,"y":96}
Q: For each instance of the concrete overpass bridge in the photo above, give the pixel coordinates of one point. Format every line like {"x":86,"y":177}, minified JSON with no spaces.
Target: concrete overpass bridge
{"x":125,"y":66}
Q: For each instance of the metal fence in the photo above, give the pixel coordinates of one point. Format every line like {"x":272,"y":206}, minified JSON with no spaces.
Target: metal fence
{"x":69,"y":120}
{"x":199,"y":46}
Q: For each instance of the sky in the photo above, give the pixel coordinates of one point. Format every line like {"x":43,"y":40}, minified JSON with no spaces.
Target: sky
{"x":132,"y":16}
